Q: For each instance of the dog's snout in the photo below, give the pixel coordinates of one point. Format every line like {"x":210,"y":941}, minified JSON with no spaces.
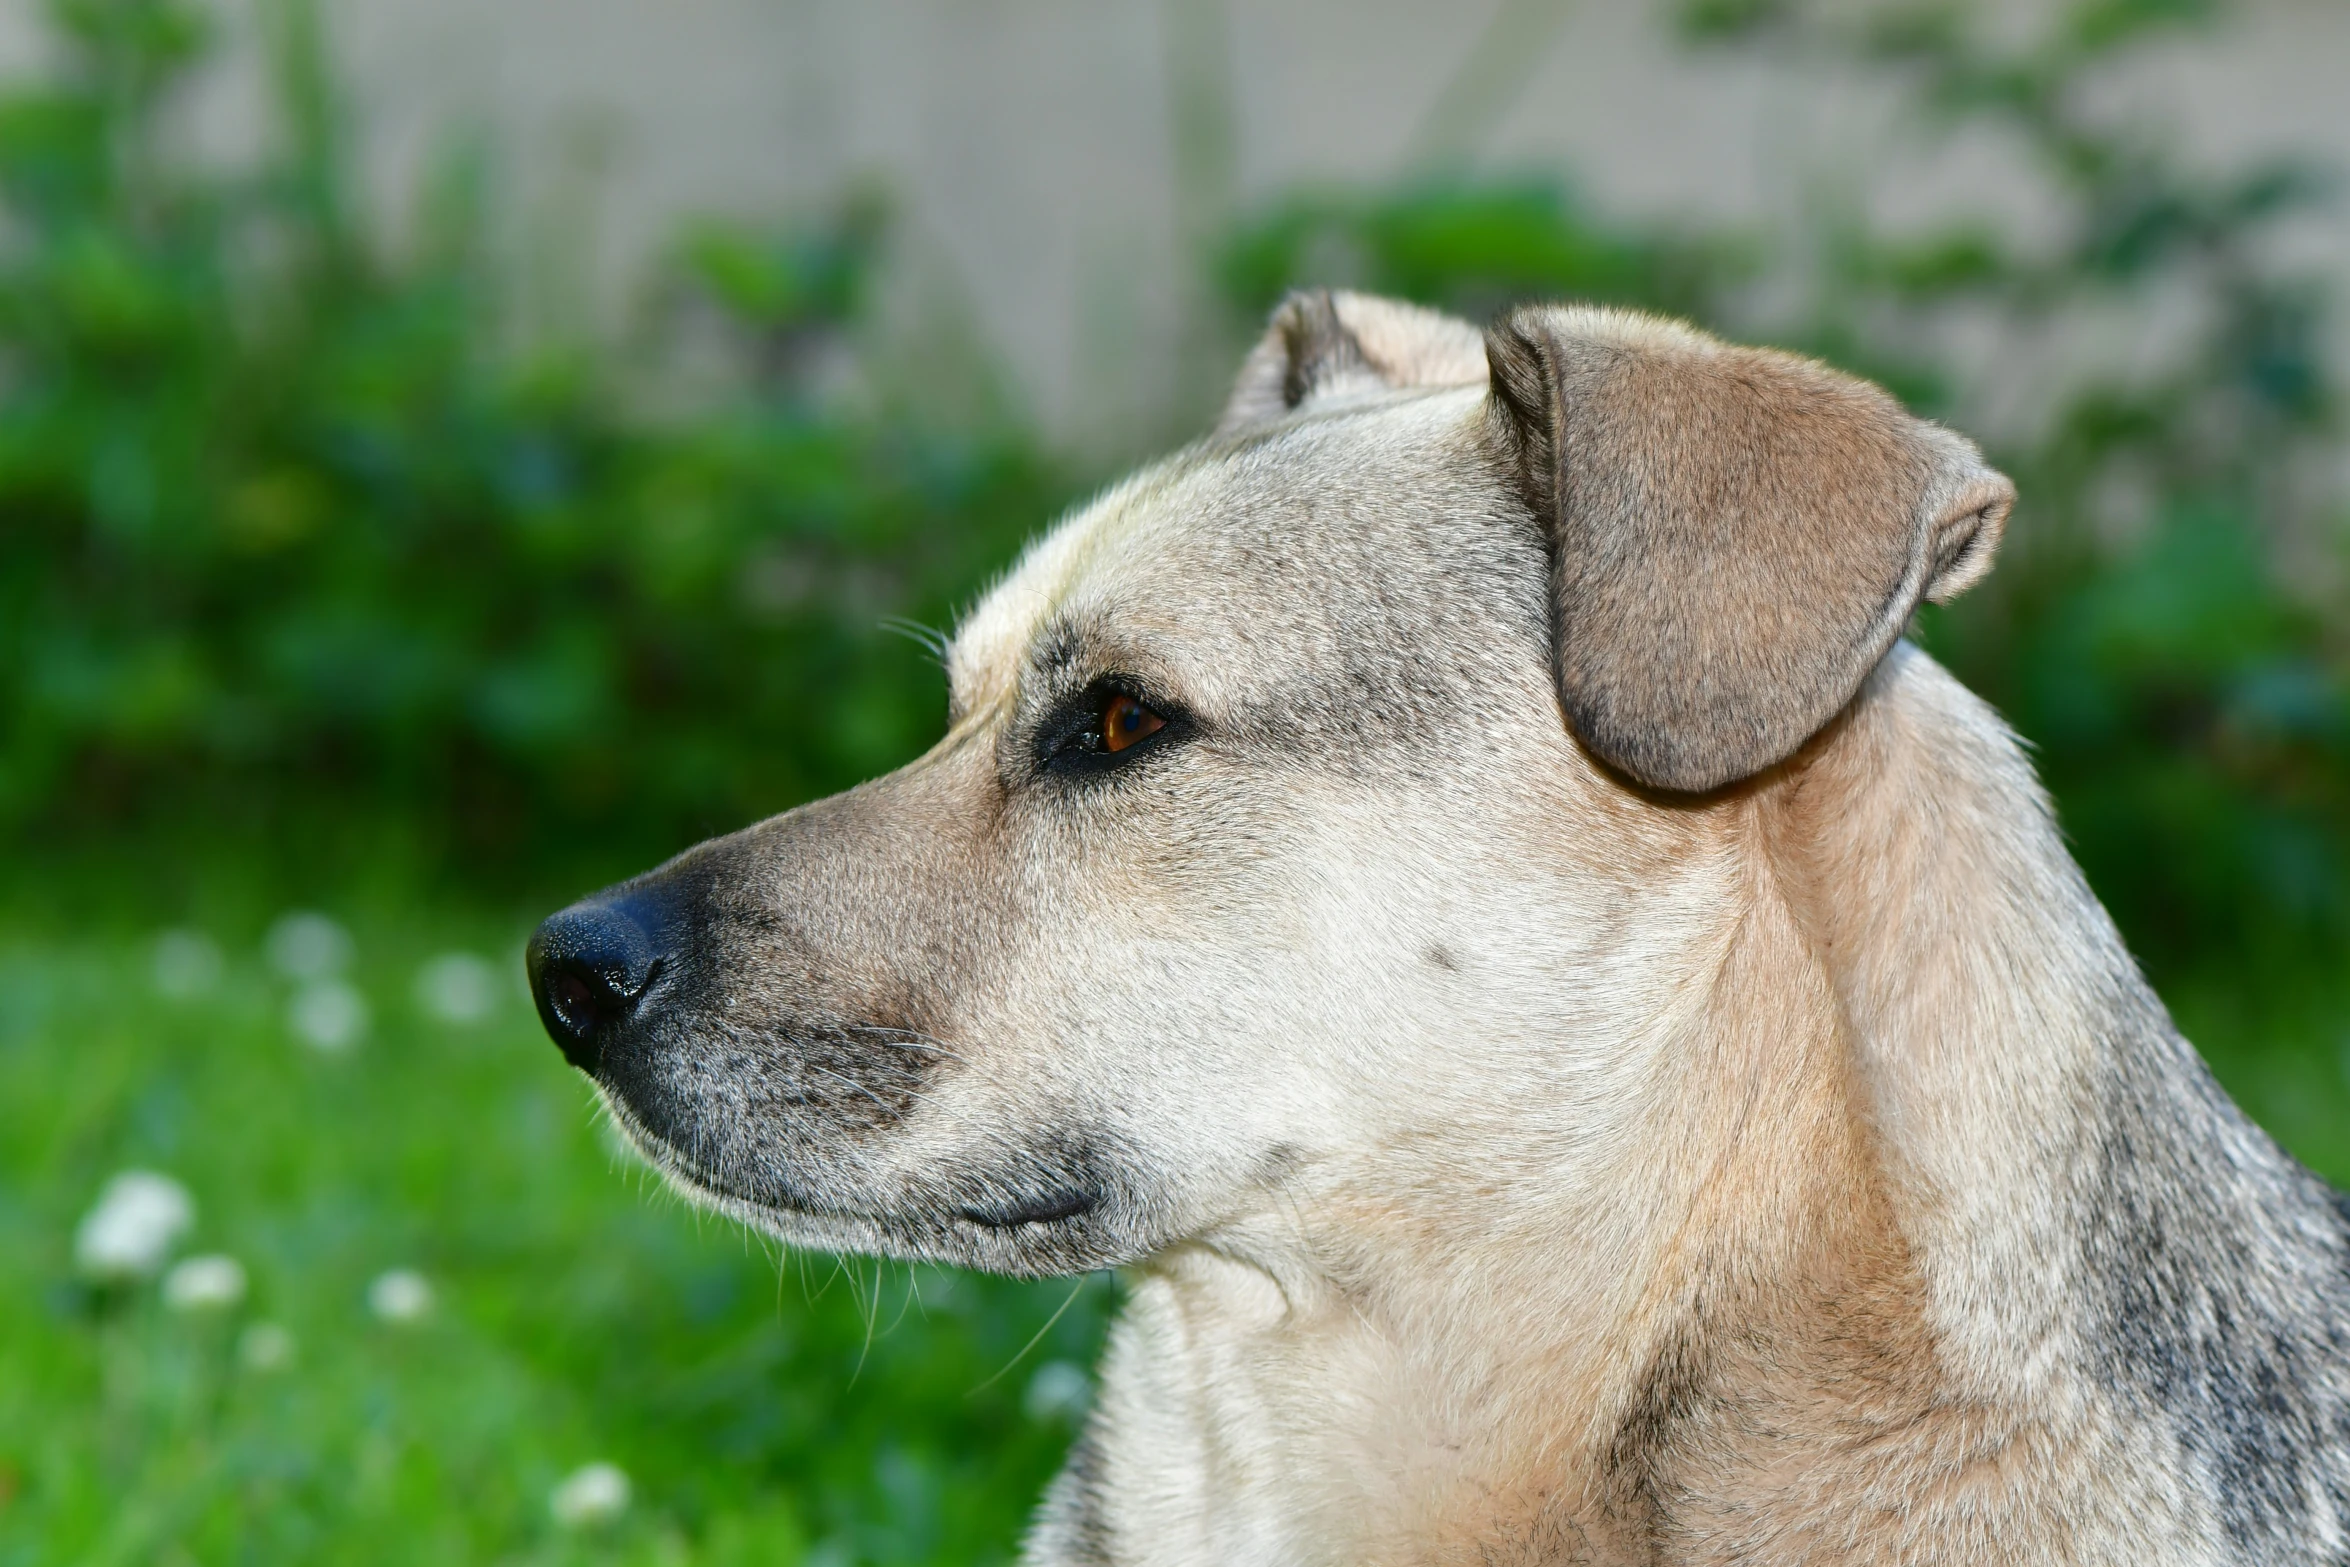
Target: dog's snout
{"x":590,"y":967}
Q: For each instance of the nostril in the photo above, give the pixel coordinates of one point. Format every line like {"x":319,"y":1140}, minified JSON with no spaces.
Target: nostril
{"x":582,"y":1000}
{"x":589,"y":966}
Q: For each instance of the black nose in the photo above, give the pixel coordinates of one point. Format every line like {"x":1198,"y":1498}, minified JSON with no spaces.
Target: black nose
{"x":589,"y":966}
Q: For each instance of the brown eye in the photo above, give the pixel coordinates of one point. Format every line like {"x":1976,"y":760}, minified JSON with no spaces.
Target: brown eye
{"x":1124,"y":721}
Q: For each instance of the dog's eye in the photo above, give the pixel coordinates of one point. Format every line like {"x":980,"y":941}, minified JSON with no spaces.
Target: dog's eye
{"x":1103,"y":726}
{"x":1125,"y":720}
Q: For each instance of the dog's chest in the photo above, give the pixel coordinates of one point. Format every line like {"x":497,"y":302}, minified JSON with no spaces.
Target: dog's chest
{"x":1233,"y":1429}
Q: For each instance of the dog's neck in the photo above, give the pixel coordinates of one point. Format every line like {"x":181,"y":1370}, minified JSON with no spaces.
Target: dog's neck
{"x":1563,"y":1357}
{"x":1813,"y":1300}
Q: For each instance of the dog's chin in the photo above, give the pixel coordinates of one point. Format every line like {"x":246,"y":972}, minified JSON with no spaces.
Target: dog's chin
{"x":1035,"y":1225}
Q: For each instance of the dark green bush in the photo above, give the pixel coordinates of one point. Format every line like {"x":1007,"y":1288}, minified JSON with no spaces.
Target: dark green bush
{"x":1475,"y":248}
{"x":291,"y":525}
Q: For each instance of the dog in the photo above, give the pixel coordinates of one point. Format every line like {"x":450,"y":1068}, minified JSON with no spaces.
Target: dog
{"x":1586,"y":1045}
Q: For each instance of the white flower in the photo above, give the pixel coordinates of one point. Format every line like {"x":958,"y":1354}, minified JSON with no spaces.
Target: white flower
{"x":457,"y":987}
{"x":401,"y":1295}
{"x":328,"y":1015}
{"x":591,"y":1494}
{"x":132,"y":1229}
{"x":203,"y":1283}
{"x":186,"y":963}
{"x":266,"y":1347}
{"x":307,"y":945}
{"x":1058,"y":1391}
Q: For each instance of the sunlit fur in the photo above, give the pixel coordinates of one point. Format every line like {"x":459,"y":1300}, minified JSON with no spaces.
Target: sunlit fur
{"x":1508,"y":1164}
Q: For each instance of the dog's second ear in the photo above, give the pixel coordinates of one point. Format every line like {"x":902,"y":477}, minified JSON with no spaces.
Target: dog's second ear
{"x":1737,"y":535}
{"x":1324,"y":344}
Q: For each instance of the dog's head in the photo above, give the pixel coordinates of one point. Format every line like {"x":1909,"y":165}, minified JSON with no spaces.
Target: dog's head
{"x":1329,"y":799}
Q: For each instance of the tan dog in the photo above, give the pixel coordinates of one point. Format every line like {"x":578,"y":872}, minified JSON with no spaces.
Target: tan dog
{"x":1587,"y":1048}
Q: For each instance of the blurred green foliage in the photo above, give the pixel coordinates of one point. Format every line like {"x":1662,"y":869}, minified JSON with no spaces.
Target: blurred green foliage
{"x":291,"y":524}
{"x":2168,"y":623}
{"x":1474,"y":248}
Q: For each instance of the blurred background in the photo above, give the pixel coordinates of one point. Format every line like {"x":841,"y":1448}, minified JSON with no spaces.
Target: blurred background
{"x":452,"y":455}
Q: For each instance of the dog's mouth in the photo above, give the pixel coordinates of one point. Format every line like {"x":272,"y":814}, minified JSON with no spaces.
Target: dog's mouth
{"x":1055,"y":1204}
{"x":774,"y":1115}
{"x":1050,"y":1207}
{"x":691,"y":1163}
{"x":1053,"y":1207}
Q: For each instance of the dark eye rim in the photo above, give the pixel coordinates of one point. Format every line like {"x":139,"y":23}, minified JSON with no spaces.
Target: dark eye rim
{"x":1070,"y":741}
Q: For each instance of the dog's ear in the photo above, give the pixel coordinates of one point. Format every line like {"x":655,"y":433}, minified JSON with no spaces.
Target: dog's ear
{"x":1737,"y":535}
{"x":1324,"y":344}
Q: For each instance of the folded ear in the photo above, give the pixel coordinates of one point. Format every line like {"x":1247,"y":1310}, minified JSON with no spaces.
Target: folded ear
{"x":1323,"y":344}
{"x":1737,"y":535}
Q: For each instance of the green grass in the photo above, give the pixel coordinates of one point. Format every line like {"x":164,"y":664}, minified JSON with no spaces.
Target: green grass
{"x":766,"y":1408}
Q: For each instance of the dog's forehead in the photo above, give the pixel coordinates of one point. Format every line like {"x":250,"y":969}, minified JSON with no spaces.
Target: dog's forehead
{"x":1225,"y":541}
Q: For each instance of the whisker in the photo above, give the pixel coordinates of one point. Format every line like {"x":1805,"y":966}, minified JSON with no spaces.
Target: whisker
{"x":913,"y":1293}
{"x":1002,"y":1141}
{"x":906,"y":1039}
{"x":919,"y":1097}
{"x":843,"y":1077}
{"x":1075,"y":1289}
{"x":871,"y":1305}
{"x":929,"y":638}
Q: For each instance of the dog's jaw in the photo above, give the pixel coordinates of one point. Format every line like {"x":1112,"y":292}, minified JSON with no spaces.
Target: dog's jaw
{"x":1038,"y":1212}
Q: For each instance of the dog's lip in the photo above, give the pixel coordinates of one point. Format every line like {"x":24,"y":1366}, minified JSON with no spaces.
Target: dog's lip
{"x":1051,"y":1208}
{"x":771,"y":1205}
{"x":718,"y":1186}
{"x":1059,"y":1207}
{"x":681,"y":1166}
{"x":1055,"y":1207}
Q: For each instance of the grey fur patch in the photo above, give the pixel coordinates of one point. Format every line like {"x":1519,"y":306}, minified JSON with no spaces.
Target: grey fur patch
{"x":2237,"y":1334}
{"x":1073,"y":1526}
